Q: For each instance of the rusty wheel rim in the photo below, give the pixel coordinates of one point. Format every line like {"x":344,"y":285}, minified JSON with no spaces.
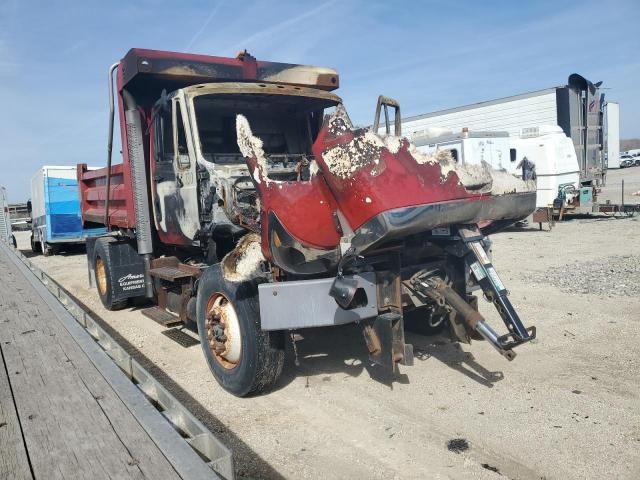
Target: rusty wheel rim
{"x":101,"y":276}
{"x":223,"y":331}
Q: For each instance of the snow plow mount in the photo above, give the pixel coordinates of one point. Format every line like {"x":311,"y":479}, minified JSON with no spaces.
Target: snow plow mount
{"x":467,"y":243}
{"x":384,"y":334}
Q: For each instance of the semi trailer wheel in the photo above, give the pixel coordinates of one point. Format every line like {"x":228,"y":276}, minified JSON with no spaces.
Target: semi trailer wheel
{"x":243,"y":358}
{"x":104,"y":281}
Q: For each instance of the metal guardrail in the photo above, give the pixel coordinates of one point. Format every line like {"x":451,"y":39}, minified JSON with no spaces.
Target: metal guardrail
{"x":216,"y":455}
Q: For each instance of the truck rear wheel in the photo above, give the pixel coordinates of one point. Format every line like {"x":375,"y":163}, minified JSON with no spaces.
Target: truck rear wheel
{"x":48,"y":249}
{"x":243,"y":358}
{"x":104,"y":282}
{"x":35,"y":246}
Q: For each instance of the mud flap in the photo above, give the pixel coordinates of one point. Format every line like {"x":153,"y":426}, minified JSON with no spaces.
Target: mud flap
{"x":126,"y":266}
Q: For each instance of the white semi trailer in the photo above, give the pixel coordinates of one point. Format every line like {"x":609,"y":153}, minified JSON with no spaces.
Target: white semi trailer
{"x":575,"y":107}
{"x":547,"y":147}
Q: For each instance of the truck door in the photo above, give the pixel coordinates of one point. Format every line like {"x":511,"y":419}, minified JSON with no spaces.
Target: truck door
{"x":175,"y":192}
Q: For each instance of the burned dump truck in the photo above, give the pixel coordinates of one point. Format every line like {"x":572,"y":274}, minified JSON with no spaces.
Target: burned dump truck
{"x":247,"y":205}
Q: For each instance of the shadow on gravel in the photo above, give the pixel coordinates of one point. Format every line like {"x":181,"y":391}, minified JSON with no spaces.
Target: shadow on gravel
{"x":451,"y":354}
{"x":248,"y":464}
{"x":333,"y":350}
{"x":65,"y":251}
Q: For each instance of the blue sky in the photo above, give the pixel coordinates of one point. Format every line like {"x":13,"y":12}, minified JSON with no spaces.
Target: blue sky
{"x":429,"y":55}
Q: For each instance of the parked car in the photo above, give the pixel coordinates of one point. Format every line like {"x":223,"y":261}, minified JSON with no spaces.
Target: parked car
{"x":626,"y":161}
{"x":636,"y":159}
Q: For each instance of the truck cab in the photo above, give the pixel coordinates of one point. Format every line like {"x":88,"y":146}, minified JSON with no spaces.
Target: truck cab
{"x":202,"y":191}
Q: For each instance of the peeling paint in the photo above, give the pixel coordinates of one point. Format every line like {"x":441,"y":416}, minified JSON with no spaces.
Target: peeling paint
{"x":186,"y":212}
{"x":313,"y":168}
{"x":345,"y":159}
{"x":339,"y":122}
{"x":251,"y":147}
{"x":365,"y":149}
{"x":393,"y":143}
{"x":243,"y":262}
{"x":504,"y":182}
{"x":164,"y":190}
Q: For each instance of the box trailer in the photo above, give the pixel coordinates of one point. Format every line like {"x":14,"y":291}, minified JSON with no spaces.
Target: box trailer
{"x":612,"y":134}
{"x":575,"y":107}
{"x":55,"y":210}
{"x":547,"y":147}
{"x":466,"y":146}
{"x":554,"y":156}
{"x":6,"y":234}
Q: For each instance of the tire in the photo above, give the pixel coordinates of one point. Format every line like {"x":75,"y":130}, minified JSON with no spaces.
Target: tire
{"x":35,"y":246}
{"x":253,"y":364}
{"x":47,"y":250}
{"x":103,"y":278}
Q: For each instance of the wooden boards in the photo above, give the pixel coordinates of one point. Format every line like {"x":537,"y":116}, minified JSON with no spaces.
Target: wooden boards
{"x":74,"y":425}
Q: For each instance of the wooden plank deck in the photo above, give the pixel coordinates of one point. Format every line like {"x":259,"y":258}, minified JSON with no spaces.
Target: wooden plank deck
{"x":59,"y":417}
{"x":13,"y":456}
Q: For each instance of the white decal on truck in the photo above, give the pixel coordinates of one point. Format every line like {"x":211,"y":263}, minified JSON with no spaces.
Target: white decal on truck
{"x":131,"y":281}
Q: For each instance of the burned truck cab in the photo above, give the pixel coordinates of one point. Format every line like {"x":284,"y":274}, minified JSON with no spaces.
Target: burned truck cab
{"x":252,"y":207}
{"x":203,"y":193}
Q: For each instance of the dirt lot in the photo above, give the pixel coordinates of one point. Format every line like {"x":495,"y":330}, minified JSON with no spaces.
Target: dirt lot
{"x":566,"y":407}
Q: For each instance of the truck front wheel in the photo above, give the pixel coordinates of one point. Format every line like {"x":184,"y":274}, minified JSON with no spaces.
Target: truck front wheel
{"x":104,"y":282}
{"x":243,"y":358}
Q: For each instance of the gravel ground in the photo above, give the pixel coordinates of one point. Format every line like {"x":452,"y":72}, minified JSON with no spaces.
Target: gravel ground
{"x":615,"y":275}
{"x":565,"y":408}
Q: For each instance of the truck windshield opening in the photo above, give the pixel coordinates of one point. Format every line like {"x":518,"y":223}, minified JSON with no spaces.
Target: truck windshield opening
{"x":287,"y":125}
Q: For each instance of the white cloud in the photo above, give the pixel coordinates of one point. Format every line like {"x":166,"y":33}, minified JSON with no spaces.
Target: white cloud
{"x":211,"y":16}
{"x":280,"y":27}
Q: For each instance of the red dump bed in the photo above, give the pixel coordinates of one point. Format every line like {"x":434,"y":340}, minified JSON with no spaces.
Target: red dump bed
{"x":145,"y":74}
{"x":93,"y":193}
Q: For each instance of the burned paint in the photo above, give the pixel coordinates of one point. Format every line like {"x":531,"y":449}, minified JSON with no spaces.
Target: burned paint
{"x":365,"y":150}
{"x":244,"y":262}
{"x":362,"y":151}
{"x":251,"y":147}
{"x":313,"y":168}
{"x":339,"y":122}
{"x":179,"y":207}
